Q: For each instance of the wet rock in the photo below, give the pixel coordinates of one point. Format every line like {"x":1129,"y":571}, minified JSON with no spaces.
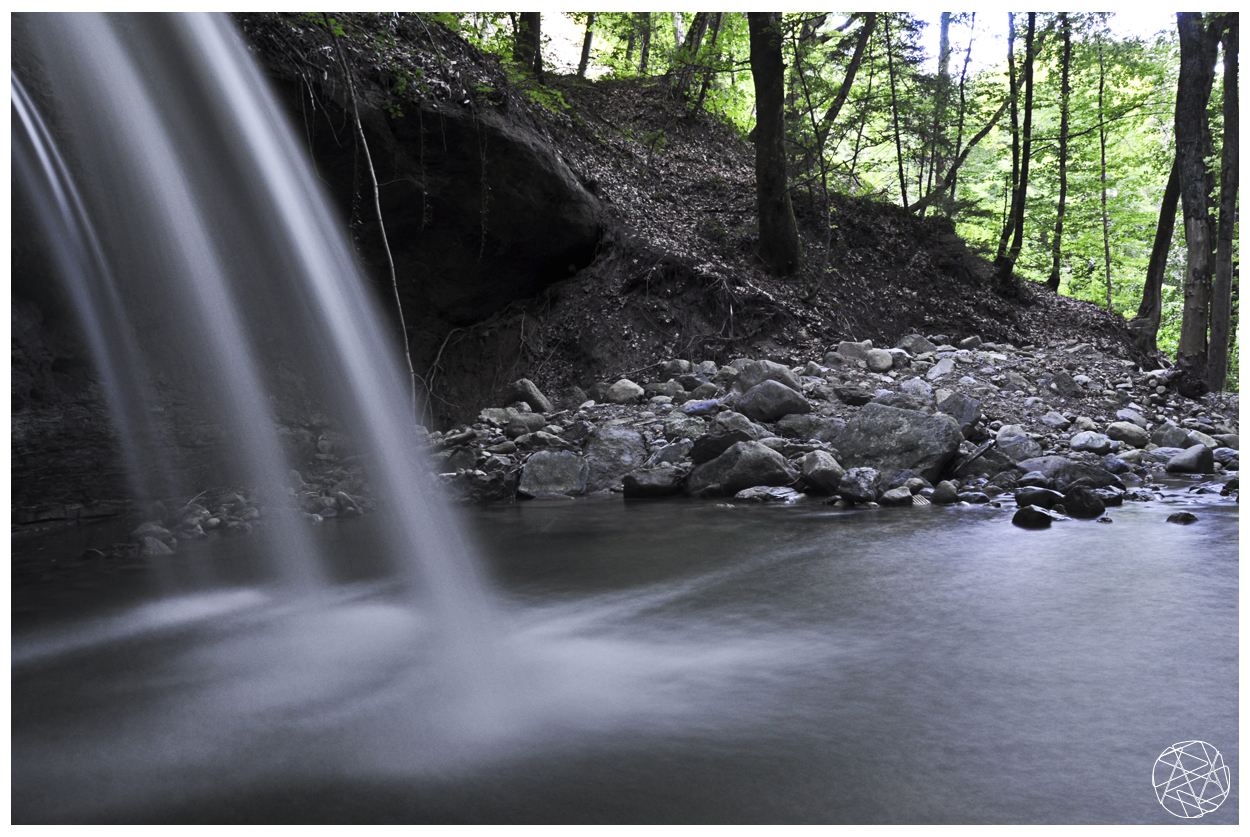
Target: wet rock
{"x":892,"y":440}
{"x":1110,"y":496}
{"x":1034,"y":479}
{"x":860,"y":485}
{"x":759,"y":371}
{"x":900,"y":496}
{"x":916,"y":344}
{"x":1182,"y":518}
{"x":1129,"y":433}
{"x":806,"y":426}
{"x":1083,"y":502}
{"x":663,"y":480}
{"x":553,"y":472}
{"x":1032,"y":517}
{"x":612,"y":452}
{"x":1088,"y":440}
{"x":879,"y":360}
{"x":821,"y":472}
{"x":742,"y":465}
{"x":1226,"y":456}
{"x":964,"y":410}
{"x":1168,"y":435}
{"x":1042,"y":497}
{"x":973,"y":497}
{"x":1197,"y":459}
{"x":682,"y":426}
{"x":525,"y":390}
{"x":623,"y":391}
{"x":944,"y":494}
{"x":768,"y":494}
{"x":1061,"y":472}
{"x":150,"y":546}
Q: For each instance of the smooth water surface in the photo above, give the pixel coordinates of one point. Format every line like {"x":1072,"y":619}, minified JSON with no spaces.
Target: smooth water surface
{"x":664,"y":662}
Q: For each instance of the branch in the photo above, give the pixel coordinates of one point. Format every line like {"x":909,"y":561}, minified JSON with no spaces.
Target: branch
{"x":963,"y":155}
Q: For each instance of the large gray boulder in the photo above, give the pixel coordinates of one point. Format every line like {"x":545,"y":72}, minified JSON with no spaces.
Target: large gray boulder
{"x":759,"y":371}
{"x":623,"y":391}
{"x":892,"y":440}
{"x":1062,"y":471}
{"x":860,"y":485}
{"x":771,"y":400}
{"x":879,"y":360}
{"x":916,"y":344}
{"x":1197,"y":459}
{"x":743,"y":465}
{"x":1129,"y":433}
{"x":612,"y":453}
{"x":1013,"y":442}
{"x":804,"y":426}
{"x":525,"y":390}
{"x":661,"y":481}
{"x":553,"y":472}
{"x":726,"y":429}
{"x":964,"y":410}
{"x":855,"y":351}
{"x":1088,"y":440}
{"x":682,"y":426}
{"x":821,"y":472}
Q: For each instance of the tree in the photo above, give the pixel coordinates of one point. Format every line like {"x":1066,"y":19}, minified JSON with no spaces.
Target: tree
{"x":645,"y":51}
{"x":528,"y":50}
{"x":586,"y":42}
{"x":1193,"y":147}
{"x":898,"y":140}
{"x":1222,"y":287}
{"x":1065,"y":88}
{"x":1006,"y":266}
{"x":779,"y":238}
{"x":1145,"y":326}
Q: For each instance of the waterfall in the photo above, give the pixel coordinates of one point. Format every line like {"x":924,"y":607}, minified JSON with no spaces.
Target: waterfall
{"x":201,"y":253}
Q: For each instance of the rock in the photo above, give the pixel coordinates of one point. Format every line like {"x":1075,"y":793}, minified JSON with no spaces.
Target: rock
{"x":525,"y":390}
{"x":1168,"y":435}
{"x":1035,"y":479}
{"x":663,"y":480}
{"x":860,"y":485}
{"x":900,"y":496}
{"x":1063,"y":384}
{"x":1061,"y":471}
{"x":853,"y":394}
{"x":918,"y":388}
{"x":972,"y":342}
{"x":941,"y":369}
{"x":1197,"y":459}
{"x":623,"y":391}
{"x":703,"y":391}
{"x":879,"y":360}
{"x":767,"y":494}
{"x":742,"y":465}
{"x":690,"y":380}
{"x":1013,"y":442}
{"x":1226,"y":456}
{"x":1032,"y":517}
{"x":945,"y":493}
{"x":502,"y":447}
{"x":682,"y":426}
{"x":1114,"y":464}
{"x":612,"y":452}
{"x":578,"y":431}
{"x":1043,"y":497}
{"x":974,"y":497}
{"x":1083,"y":502}
{"x":672,"y":454}
{"x":821,"y":472}
{"x":496,"y":416}
{"x":1129,"y":433}
{"x":1228,"y":440}
{"x":771,"y":400}
{"x":523,"y":423}
{"x":891,"y":440}
{"x":1083,"y":423}
{"x":152,"y":530}
{"x":698,"y":407}
{"x":854,"y":351}
{"x":706,"y":368}
{"x":1056,"y":421}
{"x":1197,"y":437}
{"x":670,"y":388}
{"x":150,"y":546}
{"x":964,"y":410}
{"x":1133,"y":416}
{"x":677,"y":367}
{"x":1182,"y":517}
{"x":1088,"y":440}
{"x":806,"y":426}
{"x":759,"y":371}
{"x":553,"y":472}
{"x":721,"y":437}
{"x":916,"y":344}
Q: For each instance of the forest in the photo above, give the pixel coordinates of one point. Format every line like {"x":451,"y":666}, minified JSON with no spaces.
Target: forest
{"x":1060,"y":160}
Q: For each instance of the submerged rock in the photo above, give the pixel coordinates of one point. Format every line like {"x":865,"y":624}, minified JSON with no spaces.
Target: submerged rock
{"x":768,"y":494}
{"x":663,"y":480}
{"x":1033,"y":517}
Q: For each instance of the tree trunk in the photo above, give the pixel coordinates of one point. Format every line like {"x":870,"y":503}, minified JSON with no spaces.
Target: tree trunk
{"x":1222,"y":288}
{"x":1005,"y":238}
{"x":678,"y":34}
{"x":1145,"y":326}
{"x":1065,"y":91}
{"x":826,"y":122}
{"x":645,"y":50}
{"x":1006,"y":274}
{"x":963,"y":105}
{"x":528,"y":50}
{"x":1192,"y":143}
{"x":707,"y":73}
{"x":949,"y":182}
{"x":898,"y":140}
{"x":1102,"y":147}
{"x":685,"y":59}
{"x":779,"y":238}
{"x":586,"y":42}
{"x":937,"y":163}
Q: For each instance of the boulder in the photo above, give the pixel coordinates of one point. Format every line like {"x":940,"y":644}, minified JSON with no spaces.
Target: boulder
{"x":821,"y":472}
{"x":663,"y":480}
{"x":916,"y":344}
{"x":523,"y":423}
{"x":855,"y":351}
{"x":1063,"y":384}
{"x":1088,"y":440}
{"x":899,"y":399}
{"x":900,"y":496}
{"x":806,"y":426}
{"x":1083,"y":502}
{"x":972,"y":342}
{"x":1197,"y":437}
{"x":853,"y":394}
{"x":742,"y":465}
{"x":945,"y":493}
{"x":1013,"y":442}
{"x":1043,"y":497}
{"x":879,"y":360}
{"x":768,"y":494}
{"x":700,"y":407}
{"x":1032,"y":517}
{"x":703,"y":391}
{"x":1183,"y":518}
{"x":553,"y":472}
{"x":891,"y":440}
{"x":682,"y":426}
{"x":1132,"y":415}
{"x":670,"y":388}
{"x":525,"y":390}
{"x":1229,"y":440}
{"x":771,"y":400}
{"x":918,"y":388}
{"x":726,"y":429}
{"x":1197,"y":459}
{"x":860,"y":485}
{"x":1056,"y":421}
{"x":759,"y":371}
{"x":964,"y":410}
{"x":677,"y":367}
{"x":1129,"y":433}
{"x":623,"y":391}
{"x":1168,"y":435}
{"x":672,"y":454}
{"x":1061,"y":471}
{"x":941,"y":369}
{"x":612,"y":452}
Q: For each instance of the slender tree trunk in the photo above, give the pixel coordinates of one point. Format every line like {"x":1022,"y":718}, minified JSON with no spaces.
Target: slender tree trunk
{"x":1102,"y":146}
{"x":1145,"y":326}
{"x":963,"y":103}
{"x":898,"y":139}
{"x":1005,"y":238}
{"x":1192,"y":142}
{"x":779,"y":238}
{"x":707,"y":73}
{"x":938,"y":135}
{"x":949,"y":182}
{"x":629,"y":42}
{"x":678,"y":34}
{"x":528,"y":50}
{"x":1222,"y":288}
{"x":861,"y":45}
{"x":863,"y":122}
{"x":645,"y":51}
{"x":685,"y":59}
{"x":586,"y":42}
{"x":1006,"y":276}
{"x":1065,"y":92}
